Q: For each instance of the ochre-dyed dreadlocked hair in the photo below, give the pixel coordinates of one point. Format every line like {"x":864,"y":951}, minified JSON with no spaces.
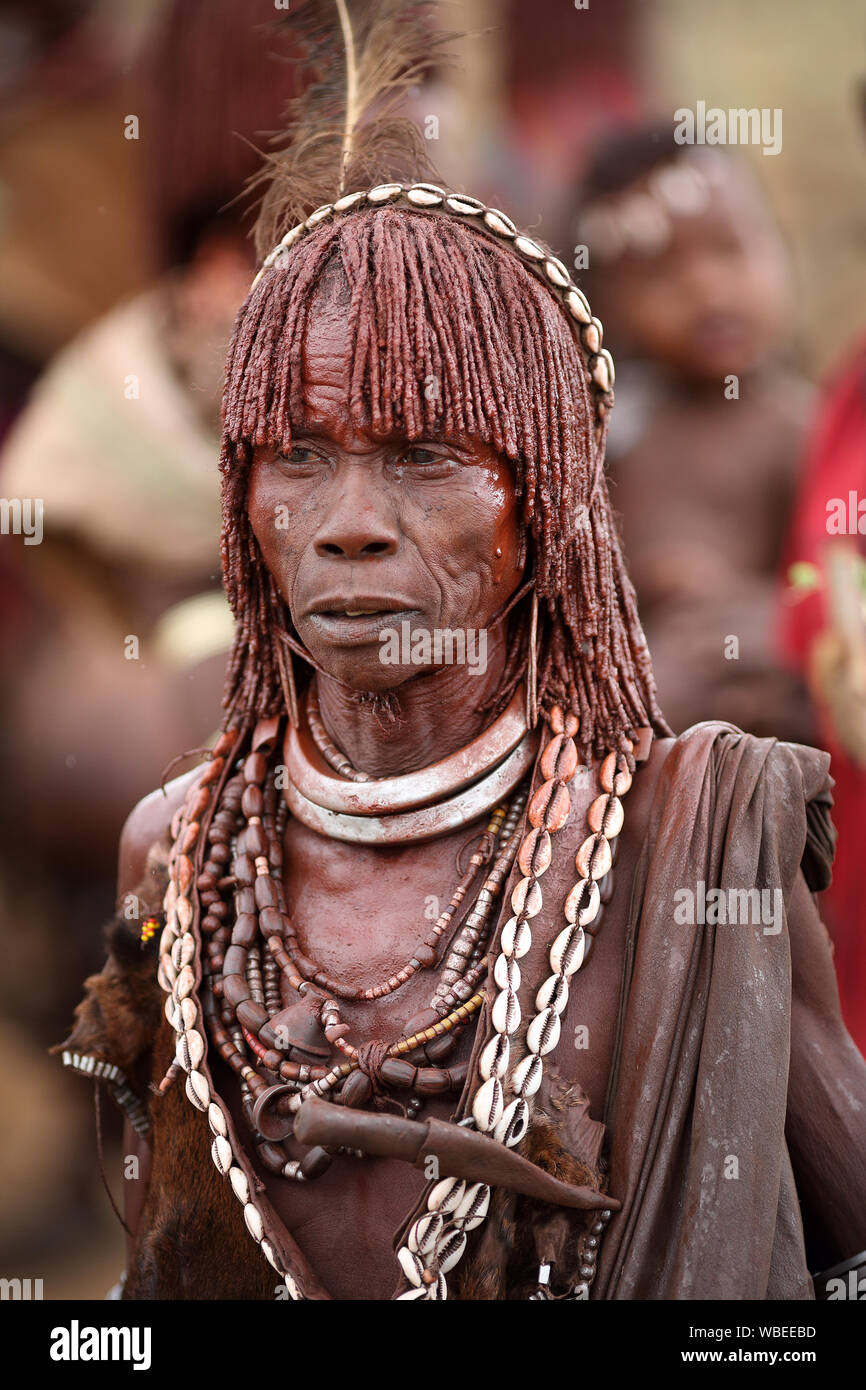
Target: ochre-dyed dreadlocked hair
{"x":431,"y":298}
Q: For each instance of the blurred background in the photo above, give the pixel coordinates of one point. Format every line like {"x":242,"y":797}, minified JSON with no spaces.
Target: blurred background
{"x":732,"y":287}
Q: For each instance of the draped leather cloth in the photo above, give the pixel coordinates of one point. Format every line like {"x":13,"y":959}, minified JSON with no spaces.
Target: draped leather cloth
{"x":700,"y":1068}
{"x":703,"y":1064}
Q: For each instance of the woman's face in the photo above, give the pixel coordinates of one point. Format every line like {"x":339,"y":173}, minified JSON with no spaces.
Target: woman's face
{"x":364,"y":533}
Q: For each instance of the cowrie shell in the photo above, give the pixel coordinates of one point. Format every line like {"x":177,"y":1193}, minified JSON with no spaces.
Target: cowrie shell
{"x":183,"y":872}
{"x":240,"y":1186}
{"x":425,"y":1232}
{"x":446,"y":1195}
{"x":185,"y":983}
{"x":221,"y":1153}
{"x":166,"y":973}
{"x":473,"y":1208}
{"x":527,"y":247}
{"x":535,"y":853}
{"x":612,"y":778}
{"x":291,"y":236}
{"x":526,"y":897}
{"x":600,"y":374}
{"x":527,"y":1075}
{"x":462,"y":203}
{"x":506,"y":973}
{"x":188,"y":1013}
{"x":495,"y":1056}
{"x":553,"y":994}
{"x":516,"y":939}
{"x":542,"y":1035}
{"x":450,"y":1250}
{"x":268,"y":1252}
{"x":512,"y":1126}
{"x":190,"y":1049}
{"x":578,"y":306}
{"x":183,"y":950}
{"x":410,"y":1265}
{"x":488,"y":1104}
{"x":167,"y":940}
{"x":505,"y":1014}
{"x":499,"y":223}
{"x":349,"y":200}
{"x":217,"y":1120}
{"x":568,"y":950}
{"x":253,"y":1218}
{"x":384,"y":192}
{"x":197,"y":1090}
{"x":592,"y":900}
{"x":591,"y":335}
{"x":594,"y":858}
{"x":549,"y":805}
{"x":606,"y":814}
{"x":425,"y":196}
{"x":320,"y":214}
{"x":556,"y":273}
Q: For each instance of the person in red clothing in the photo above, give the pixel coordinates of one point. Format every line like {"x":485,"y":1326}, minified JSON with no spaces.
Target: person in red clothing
{"x":824,"y":634}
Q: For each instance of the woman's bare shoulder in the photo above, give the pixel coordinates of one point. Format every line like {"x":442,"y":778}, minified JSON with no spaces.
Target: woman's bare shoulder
{"x":147,"y":824}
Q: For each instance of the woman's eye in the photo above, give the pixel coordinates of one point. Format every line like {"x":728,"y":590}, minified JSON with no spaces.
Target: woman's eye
{"x":419,"y":455}
{"x":299,"y":453}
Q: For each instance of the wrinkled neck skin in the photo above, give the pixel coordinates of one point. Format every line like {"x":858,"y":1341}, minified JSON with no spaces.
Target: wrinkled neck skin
{"x":431,"y":716}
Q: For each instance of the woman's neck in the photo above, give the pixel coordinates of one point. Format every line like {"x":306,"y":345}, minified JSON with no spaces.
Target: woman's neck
{"x":415,"y":724}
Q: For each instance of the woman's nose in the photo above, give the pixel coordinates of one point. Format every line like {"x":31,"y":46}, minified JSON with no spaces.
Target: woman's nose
{"x":360,"y":522}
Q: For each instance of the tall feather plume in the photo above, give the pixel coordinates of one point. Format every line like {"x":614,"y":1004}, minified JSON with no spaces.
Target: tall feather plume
{"x":344,"y":131}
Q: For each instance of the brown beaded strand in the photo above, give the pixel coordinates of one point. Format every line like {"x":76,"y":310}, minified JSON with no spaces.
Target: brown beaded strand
{"x":425,"y":953}
{"x":249,"y":990}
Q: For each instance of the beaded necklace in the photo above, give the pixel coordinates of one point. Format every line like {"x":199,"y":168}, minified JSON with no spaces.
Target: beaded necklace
{"x":238,"y":1006}
{"x":273,"y":1013}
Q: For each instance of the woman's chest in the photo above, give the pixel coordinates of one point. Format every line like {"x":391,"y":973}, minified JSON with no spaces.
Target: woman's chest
{"x":358,"y":915}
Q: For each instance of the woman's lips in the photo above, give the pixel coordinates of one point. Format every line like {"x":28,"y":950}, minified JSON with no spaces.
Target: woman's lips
{"x":354,"y":628}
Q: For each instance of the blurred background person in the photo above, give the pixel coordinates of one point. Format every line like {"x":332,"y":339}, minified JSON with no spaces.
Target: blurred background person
{"x":823,"y":635}
{"x":692,"y":281}
{"x":114,"y":638}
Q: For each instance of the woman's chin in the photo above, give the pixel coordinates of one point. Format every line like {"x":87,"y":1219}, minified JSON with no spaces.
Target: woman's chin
{"x":368,"y":676}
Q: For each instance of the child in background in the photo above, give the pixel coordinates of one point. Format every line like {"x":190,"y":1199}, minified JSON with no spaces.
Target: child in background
{"x":692,"y":285}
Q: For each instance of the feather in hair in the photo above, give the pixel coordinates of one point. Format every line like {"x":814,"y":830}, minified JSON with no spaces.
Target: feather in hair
{"x":344,"y":131}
